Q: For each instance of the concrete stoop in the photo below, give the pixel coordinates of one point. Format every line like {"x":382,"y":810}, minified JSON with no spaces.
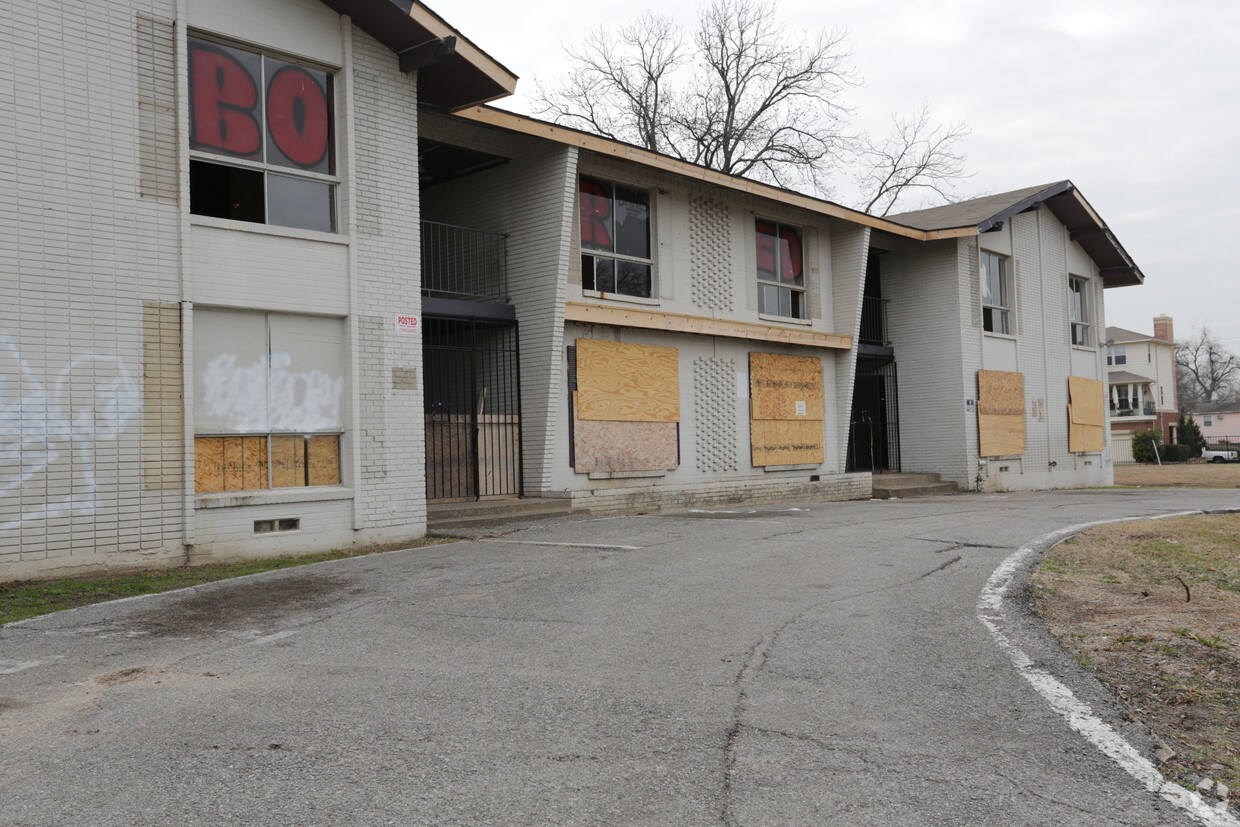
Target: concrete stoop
{"x":902,"y":486}
{"x":493,"y":512}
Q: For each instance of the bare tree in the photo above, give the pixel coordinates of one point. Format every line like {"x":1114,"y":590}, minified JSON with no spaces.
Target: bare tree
{"x":918,"y":156}
{"x":745,"y":96}
{"x":1205,"y":370}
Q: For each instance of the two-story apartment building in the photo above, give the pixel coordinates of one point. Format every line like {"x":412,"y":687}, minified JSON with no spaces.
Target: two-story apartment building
{"x":208,"y":245}
{"x":277,"y":281}
{"x":1141,"y":381}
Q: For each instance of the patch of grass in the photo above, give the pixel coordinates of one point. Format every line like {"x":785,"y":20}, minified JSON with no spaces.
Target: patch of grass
{"x":1214,"y":641}
{"x":26,"y":599}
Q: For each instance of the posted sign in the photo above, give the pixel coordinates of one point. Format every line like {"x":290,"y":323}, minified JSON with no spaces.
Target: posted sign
{"x":408,"y":325}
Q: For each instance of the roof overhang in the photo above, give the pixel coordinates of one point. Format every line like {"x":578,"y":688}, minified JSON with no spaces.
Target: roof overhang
{"x":452,"y":72}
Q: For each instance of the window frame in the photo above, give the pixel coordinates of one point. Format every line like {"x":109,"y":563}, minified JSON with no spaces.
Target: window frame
{"x":798,"y":291}
{"x":1002,"y":309}
{"x":1079,"y":329}
{"x":270,"y":432}
{"x":1117,"y":355}
{"x":596,"y":253}
{"x":201,"y":157}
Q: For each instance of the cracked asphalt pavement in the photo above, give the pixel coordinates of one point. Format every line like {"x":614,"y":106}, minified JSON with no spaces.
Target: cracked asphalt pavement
{"x":820,"y":664}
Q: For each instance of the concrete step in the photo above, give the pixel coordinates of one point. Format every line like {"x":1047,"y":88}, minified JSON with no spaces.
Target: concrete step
{"x":493,"y":512}
{"x":903,"y":486}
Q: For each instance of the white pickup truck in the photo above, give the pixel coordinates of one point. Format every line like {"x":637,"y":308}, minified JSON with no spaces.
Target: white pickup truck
{"x":1218,"y":456}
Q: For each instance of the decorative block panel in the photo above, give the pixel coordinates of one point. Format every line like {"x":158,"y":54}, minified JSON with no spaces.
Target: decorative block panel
{"x":714,"y":397}
{"x":710,"y":245}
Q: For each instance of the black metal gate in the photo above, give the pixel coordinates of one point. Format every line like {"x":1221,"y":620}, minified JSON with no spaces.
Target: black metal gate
{"x":473,"y":409}
{"x":874,"y":432}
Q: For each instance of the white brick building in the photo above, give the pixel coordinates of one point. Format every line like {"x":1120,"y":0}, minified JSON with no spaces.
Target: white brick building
{"x":224,"y":335}
{"x":208,"y":206}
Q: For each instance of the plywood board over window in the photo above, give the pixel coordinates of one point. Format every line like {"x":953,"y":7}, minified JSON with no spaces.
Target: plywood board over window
{"x":623,"y":382}
{"x":626,"y":408}
{"x":1086,"y":415}
{"x":786,"y":409}
{"x":1000,"y":413}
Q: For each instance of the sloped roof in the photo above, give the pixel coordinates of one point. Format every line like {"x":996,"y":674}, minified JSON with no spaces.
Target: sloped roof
{"x":452,"y":72}
{"x":1225,"y":406}
{"x":1124,"y":377}
{"x":1062,"y":198}
{"x":1120,"y":335}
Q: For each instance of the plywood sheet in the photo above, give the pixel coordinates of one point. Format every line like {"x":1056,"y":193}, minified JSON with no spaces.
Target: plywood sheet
{"x":208,"y":464}
{"x":288,"y":461}
{"x":786,"y":442}
{"x":1085,"y":438}
{"x":623,"y":382}
{"x":323,"y":460}
{"x":1000,"y":435}
{"x":1087,"y":401}
{"x":1000,"y":392}
{"x":624,"y":446}
{"x":785,"y":387}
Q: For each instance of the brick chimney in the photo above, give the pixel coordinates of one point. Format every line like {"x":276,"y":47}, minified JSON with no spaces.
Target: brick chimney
{"x":1164,"y":329}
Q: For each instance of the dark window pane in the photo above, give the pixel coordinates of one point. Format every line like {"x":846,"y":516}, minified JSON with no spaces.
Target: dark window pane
{"x":297,"y":202}
{"x":632,"y":222}
{"x":790,"y":256}
{"x":767,"y":258}
{"x":587,"y":273}
{"x":605,"y":275}
{"x":225,"y":192}
{"x":633,"y":279}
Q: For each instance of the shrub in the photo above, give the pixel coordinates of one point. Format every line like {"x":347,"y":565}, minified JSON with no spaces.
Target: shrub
{"x":1143,"y":445}
{"x":1175,"y":453}
{"x":1190,"y":435}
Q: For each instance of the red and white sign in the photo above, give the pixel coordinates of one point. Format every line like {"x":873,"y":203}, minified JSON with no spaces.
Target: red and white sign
{"x":408,"y":325}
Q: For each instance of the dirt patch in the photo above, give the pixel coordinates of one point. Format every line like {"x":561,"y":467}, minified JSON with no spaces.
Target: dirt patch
{"x":242,"y":606}
{"x":1153,"y":609}
{"x":1187,"y":475}
{"x":11,"y":705}
{"x":123,"y":676}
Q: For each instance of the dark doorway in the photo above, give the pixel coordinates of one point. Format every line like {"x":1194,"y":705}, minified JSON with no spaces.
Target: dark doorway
{"x":874,"y":430}
{"x":472,"y":408}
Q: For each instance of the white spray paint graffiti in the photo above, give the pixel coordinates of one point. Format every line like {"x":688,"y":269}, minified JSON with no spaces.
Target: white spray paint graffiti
{"x":268,"y":396}
{"x":93,"y":399}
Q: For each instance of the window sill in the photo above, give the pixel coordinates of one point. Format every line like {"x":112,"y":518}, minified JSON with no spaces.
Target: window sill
{"x":1005,"y":336}
{"x":1085,"y":348}
{"x":276,"y":496}
{"x":618,"y":297}
{"x":266,"y":229}
{"x":770,"y":317}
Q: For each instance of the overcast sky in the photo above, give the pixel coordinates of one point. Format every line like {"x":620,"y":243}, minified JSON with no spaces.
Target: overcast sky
{"x":1136,"y":101}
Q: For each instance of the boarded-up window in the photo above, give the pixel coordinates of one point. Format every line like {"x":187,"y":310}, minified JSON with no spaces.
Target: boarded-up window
{"x":269,"y":400}
{"x":1000,"y":413}
{"x":1086,"y":415}
{"x":626,"y":408}
{"x":785,"y":409}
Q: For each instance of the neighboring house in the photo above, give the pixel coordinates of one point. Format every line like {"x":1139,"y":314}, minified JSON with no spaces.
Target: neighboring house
{"x":1141,"y":379}
{"x":242,"y":321}
{"x":994,"y":325}
{"x":1218,"y":421}
{"x":208,"y":239}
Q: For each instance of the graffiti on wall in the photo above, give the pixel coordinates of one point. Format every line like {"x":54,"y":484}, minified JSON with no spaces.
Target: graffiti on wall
{"x":52,"y":421}
{"x":269,"y":396}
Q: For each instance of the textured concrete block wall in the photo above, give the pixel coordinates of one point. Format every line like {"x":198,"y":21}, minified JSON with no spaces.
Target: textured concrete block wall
{"x":89,"y":286}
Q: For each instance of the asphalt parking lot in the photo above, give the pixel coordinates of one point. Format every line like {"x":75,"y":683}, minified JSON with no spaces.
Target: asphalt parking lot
{"x":812,"y":664}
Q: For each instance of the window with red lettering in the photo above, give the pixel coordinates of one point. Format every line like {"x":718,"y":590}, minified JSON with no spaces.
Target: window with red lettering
{"x":261,"y":138}
{"x":615,"y":238}
{"x":781,"y":273}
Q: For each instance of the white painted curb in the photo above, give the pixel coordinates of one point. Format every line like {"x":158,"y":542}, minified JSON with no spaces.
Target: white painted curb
{"x":991,"y":611}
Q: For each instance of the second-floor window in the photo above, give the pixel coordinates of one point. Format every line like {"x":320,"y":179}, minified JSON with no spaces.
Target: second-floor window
{"x":781,"y":270}
{"x":1117,"y":355}
{"x":1078,"y":310}
{"x":260,"y":138}
{"x":615,"y":238}
{"x":996,"y":294}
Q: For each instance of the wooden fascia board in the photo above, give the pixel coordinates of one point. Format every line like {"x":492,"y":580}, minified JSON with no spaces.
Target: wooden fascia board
{"x":585,"y":313}
{"x":477,"y":58}
{"x":637,"y":155}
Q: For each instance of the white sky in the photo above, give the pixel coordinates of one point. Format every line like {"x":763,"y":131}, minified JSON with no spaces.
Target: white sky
{"x":1136,"y":101}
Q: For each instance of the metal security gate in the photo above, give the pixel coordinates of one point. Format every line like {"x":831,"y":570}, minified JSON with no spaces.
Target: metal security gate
{"x":874,"y":432}
{"x":473,"y":409}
